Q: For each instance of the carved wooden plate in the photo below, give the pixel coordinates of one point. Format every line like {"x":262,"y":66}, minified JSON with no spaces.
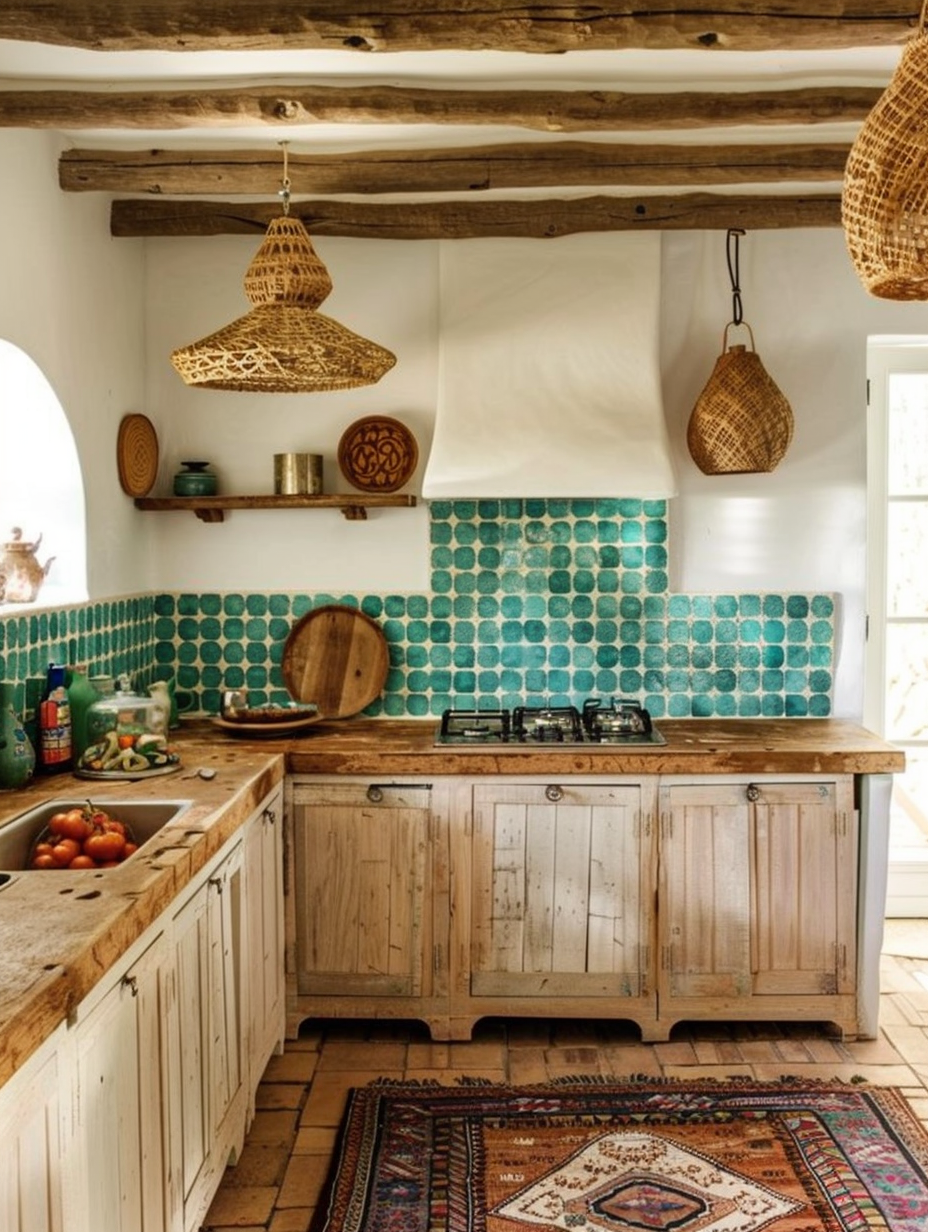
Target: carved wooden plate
{"x":377,"y":454}
{"x":336,"y":658}
{"x":137,"y":455}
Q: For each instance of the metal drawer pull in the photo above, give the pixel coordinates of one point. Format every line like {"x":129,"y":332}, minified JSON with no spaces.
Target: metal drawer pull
{"x":270,"y":816}
{"x":130,"y":982}
{"x":216,"y":882}
{"x":554,"y":793}
{"x":753,"y":792}
{"x":376,"y":790}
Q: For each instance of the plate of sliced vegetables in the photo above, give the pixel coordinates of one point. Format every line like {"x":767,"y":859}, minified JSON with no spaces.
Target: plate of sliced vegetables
{"x":122,"y":755}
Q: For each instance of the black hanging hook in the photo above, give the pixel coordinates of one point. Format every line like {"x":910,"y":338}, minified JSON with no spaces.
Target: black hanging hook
{"x":734,"y":272}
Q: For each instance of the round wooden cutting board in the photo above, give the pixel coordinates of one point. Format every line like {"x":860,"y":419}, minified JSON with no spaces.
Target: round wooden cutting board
{"x":336,"y":658}
{"x":137,"y":455}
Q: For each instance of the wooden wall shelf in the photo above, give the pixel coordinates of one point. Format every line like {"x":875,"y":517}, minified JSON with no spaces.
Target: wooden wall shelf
{"x":213,"y":508}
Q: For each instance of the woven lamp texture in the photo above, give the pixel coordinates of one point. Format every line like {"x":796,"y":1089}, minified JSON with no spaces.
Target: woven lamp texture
{"x":741,"y":423}
{"x":884,"y":203}
{"x":284,"y":345}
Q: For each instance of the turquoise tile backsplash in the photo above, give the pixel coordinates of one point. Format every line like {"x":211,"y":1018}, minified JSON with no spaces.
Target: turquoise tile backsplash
{"x":555,"y":600}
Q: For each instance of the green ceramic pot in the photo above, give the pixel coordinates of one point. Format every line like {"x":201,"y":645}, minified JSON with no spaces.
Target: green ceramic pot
{"x":17,"y":756}
{"x":195,"y":480}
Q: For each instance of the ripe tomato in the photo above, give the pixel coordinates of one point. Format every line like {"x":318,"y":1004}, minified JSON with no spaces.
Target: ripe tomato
{"x":78,"y":827}
{"x":46,"y":860}
{"x":43,"y":849}
{"x":117,"y":827}
{"x":60,"y":823}
{"x":65,"y":850}
{"x":83,"y":861}
{"x":129,"y":849}
{"x":105,"y":845}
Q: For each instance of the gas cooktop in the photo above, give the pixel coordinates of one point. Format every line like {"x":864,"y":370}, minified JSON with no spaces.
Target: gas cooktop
{"x":618,"y":722}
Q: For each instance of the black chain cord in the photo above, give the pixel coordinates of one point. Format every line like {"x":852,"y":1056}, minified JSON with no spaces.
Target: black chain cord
{"x":734,"y":272}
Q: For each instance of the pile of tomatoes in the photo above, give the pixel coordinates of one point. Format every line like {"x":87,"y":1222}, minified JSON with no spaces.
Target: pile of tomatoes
{"x":85,"y":837}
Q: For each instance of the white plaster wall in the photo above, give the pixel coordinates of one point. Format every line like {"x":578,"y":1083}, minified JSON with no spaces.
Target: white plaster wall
{"x":385,"y":291}
{"x":73,"y":298}
{"x":800,"y":528}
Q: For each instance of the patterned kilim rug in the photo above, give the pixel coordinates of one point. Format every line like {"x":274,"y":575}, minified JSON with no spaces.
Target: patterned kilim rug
{"x":628,"y":1156}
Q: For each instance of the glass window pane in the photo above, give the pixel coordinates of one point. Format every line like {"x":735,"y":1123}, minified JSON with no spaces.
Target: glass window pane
{"x":908,"y":433}
{"x":906,"y":572}
{"x":907,"y":681}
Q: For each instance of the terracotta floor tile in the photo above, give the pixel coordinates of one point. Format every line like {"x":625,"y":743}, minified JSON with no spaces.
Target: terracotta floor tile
{"x":527,"y":1067}
{"x":241,"y":1208}
{"x":315,"y":1140}
{"x":291,"y":1067}
{"x":303,"y":1181}
{"x":258,"y":1166}
{"x":291,"y":1219}
{"x":489,"y":1055}
{"x":325,"y":1103}
{"x":377,"y":1055}
{"x":271,"y":1128}
{"x":428,"y":1056}
{"x":277,"y":1095}
{"x":675,"y":1054}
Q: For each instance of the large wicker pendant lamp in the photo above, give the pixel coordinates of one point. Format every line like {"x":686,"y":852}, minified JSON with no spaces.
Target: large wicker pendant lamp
{"x":284,"y":345}
{"x":884,"y":205}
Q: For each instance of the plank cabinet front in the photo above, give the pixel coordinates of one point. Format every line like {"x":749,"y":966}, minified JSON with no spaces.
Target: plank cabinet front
{"x":561,"y":900}
{"x":651,"y":899}
{"x":369,"y":908}
{"x":758,"y":901}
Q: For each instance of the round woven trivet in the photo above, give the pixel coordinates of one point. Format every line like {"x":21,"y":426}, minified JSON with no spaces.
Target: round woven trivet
{"x":377,"y":454}
{"x":137,"y":455}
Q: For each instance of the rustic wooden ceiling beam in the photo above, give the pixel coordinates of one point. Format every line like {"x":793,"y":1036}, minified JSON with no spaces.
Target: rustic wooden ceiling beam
{"x":544,"y":110}
{"x":469,"y":219}
{"x":468,"y":169}
{"x":397,"y":25}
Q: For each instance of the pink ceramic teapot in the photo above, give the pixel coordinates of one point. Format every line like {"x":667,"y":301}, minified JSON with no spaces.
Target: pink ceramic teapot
{"x":21,"y":575}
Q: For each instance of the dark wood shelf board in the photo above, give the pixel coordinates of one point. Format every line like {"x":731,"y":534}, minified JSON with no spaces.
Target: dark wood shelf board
{"x":213,"y":508}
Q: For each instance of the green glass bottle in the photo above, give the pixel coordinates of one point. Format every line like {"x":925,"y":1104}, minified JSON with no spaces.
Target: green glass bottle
{"x":17,"y":756}
{"x":81,"y":696}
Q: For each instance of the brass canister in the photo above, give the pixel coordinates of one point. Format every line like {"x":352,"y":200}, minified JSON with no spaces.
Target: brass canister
{"x":297,"y":474}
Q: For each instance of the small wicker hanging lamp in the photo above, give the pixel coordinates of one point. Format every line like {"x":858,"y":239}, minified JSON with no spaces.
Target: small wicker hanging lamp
{"x":741,"y":423}
{"x":884,"y":203}
{"x":284,"y":345}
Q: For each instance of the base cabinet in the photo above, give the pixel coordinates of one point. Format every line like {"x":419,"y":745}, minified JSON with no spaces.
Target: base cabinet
{"x":561,"y":901}
{"x":652,"y":899}
{"x":757,"y":901}
{"x":125,"y":1119}
{"x":370,"y":912}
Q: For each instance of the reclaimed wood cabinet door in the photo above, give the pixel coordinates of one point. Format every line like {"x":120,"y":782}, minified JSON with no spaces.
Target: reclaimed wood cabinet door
{"x":364,"y":859}
{"x":264,"y":933}
{"x":208,"y":1056}
{"x":757,"y":901}
{"x":118,"y":1169}
{"x":31,"y":1134}
{"x":561,"y":900}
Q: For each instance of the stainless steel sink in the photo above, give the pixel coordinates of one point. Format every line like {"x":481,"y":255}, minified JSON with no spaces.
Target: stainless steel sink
{"x":143,"y":817}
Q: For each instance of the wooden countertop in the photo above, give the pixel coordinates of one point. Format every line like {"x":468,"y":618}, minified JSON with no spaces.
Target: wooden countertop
{"x":62,"y":931}
{"x":694,"y":746}
{"x":46,"y":970}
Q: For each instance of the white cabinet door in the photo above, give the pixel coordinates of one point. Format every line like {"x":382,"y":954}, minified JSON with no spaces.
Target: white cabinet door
{"x":264,"y":936}
{"x":117,"y":1161}
{"x":207,"y":1064}
{"x":31,"y":1145}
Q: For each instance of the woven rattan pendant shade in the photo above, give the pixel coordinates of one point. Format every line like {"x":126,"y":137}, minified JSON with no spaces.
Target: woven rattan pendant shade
{"x":884,"y":204}
{"x":284,"y":345}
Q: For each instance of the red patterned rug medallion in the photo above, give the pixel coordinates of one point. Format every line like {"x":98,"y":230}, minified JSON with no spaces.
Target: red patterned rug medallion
{"x":646,"y":1156}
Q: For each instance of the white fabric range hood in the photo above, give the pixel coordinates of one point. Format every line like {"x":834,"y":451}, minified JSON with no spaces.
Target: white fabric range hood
{"x":549,"y":377}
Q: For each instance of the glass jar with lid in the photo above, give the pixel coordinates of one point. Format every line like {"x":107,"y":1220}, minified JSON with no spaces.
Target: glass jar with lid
{"x":127,"y":735}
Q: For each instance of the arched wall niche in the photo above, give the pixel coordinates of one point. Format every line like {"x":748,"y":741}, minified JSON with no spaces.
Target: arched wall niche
{"x":41,"y":485}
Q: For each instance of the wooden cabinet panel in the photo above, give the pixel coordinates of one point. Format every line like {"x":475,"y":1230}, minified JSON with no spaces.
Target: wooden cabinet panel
{"x":362,"y":905}
{"x":264,"y":930}
{"x":31,"y":1144}
{"x":804,"y":888}
{"x":757,"y":910}
{"x":705,"y":891}
{"x":118,"y":1165}
{"x":560,"y":903}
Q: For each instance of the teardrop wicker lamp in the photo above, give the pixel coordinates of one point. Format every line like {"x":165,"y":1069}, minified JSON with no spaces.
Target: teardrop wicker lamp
{"x":284,"y":345}
{"x":741,"y":423}
{"x":884,"y":203}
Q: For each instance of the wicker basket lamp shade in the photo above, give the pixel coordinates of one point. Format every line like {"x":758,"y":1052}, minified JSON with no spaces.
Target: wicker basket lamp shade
{"x":741,"y":423}
{"x":284,"y":344}
{"x":884,"y":203}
